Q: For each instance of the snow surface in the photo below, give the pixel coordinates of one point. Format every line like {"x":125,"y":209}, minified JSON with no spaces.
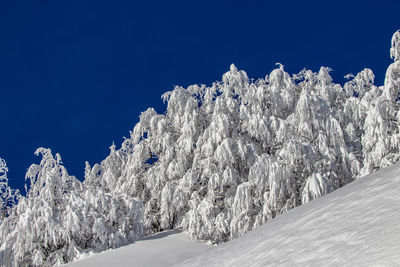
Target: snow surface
{"x":356,"y":225}
{"x":162,"y":249}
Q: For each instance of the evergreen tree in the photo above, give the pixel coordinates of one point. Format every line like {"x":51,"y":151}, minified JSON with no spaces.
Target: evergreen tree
{"x":61,"y":218}
{"x":8,"y":197}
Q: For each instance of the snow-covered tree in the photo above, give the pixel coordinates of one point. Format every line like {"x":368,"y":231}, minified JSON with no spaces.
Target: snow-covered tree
{"x":395,"y":49}
{"x":227,"y":158}
{"x":8,"y":197}
{"x":381,"y":138}
{"x":61,"y":218}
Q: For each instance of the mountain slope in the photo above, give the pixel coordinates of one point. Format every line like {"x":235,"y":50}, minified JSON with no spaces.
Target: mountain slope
{"x":357,"y":225}
{"x":161,"y":249}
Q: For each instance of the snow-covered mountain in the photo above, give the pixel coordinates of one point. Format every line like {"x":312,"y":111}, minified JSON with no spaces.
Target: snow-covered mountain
{"x":220,"y":162}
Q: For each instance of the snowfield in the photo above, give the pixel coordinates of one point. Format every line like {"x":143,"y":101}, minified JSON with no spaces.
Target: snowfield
{"x":356,"y":225}
{"x":162,"y":249}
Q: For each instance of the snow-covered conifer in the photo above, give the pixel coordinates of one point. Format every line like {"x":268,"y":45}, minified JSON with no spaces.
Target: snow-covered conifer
{"x":381,"y":138}
{"x":8,"y":197}
{"x":61,"y":218}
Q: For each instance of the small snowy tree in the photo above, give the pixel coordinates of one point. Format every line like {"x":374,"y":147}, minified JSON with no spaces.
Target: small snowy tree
{"x":8,"y":197}
{"x":4,"y":189}
{"x":395,"y":49}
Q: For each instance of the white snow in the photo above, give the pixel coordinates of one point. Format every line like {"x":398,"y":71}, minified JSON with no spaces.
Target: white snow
{"x":162,"y":249}
{"x":356,"y":225}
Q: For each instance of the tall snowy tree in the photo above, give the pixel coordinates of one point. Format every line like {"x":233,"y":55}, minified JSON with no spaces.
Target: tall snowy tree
{"x":381,"y":138}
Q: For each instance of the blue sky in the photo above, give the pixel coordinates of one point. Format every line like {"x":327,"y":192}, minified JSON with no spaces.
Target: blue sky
{"x":75,"y":75}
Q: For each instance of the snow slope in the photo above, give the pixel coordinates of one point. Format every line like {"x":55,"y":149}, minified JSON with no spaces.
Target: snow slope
{"x":162,"y":249}
{"x":356,"y":225}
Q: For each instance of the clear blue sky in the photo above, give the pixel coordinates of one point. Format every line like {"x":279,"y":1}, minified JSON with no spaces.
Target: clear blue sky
{"x":75,"y":75}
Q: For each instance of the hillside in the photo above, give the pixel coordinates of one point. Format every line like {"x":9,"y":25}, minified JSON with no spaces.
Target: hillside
{"x":357,"y":225}
{"x":161,"y":249}
{"x":221,"y":161}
